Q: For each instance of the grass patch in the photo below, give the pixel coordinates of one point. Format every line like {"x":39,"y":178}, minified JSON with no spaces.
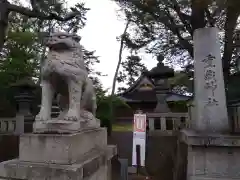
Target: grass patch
{"x":125,"y":127}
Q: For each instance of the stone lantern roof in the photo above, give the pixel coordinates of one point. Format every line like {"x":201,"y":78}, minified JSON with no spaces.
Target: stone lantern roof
{"x":24,"y":89}
{"x":25,"y":83}
{"x":160,"y":71}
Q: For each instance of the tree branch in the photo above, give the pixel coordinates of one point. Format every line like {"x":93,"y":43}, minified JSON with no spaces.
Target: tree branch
{"x":182,"y":16}
{"x":39,"y":15}
{"x":217,"y":11}
{"x":168,"y":21}
{"x":34,"y":5}
{"x":230,"y":24}
{"x":210,"y":18}
{"x":198,"y":14}
{"x":172,"y":26}
{"x":165,"y":20}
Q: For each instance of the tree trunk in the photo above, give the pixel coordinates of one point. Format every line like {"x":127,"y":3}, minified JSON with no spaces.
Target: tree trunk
{"x":119,"y":59}
{"x":198,"y":14}
{"x":6,"y":8}
{"x":3,"y":22}
{"x":115,"y":76}
{"x":230,"y":24}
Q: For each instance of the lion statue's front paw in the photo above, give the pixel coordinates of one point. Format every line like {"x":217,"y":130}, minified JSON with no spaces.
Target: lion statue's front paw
{"x":42,"y":116}
{"x":90,"y":118}
{"x":72,"y":115}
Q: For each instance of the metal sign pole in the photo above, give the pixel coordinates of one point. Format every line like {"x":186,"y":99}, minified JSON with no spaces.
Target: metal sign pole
{"x":138,"y":158}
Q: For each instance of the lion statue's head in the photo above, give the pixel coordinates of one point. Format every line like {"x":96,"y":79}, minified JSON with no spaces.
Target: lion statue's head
{"x":62,"y":41}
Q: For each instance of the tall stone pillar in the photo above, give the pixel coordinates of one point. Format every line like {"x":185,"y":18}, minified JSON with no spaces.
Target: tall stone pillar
{"x":210,"y":98}
{"x":213,"y":154}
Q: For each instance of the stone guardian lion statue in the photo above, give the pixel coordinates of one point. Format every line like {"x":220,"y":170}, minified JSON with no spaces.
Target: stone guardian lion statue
{"x":65,"y":73}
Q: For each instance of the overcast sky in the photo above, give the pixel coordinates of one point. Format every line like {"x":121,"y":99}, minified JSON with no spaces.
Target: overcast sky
{"x":100,"y":34}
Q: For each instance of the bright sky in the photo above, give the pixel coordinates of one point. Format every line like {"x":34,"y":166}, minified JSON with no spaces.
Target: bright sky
{"x":99,"y":34}
{"x":102,"y":28}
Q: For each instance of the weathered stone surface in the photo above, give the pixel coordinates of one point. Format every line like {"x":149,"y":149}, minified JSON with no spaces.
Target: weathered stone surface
{"x":207,"y":178}
{"x":214,"y":163}
{"x":210,"y":99}
{"x":93,"y":166}
{"x":194,"y":138}
{"x":212,"y":153}
{"x":212,"y":156}
{"x":61,"y":148}
{"x":64,"y":72}
{"x":63,"y":126}
{"x":96,"y":165}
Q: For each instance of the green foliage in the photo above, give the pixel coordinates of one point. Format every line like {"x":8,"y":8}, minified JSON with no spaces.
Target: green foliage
{"x":90,"y":60}
{"x":131,"y":69}
{"x":24,"y":51}
{"x":181,"y":82}
{"x":178,"y":106}
{"x":166,"y":27}
{"x":20,"y":55}
{"x":103,"y":103}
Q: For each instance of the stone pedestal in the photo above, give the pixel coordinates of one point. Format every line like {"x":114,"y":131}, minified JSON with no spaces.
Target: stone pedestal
{"x":212,"y":156}
{"x":76,"y":156}
{"x":212,"y":153}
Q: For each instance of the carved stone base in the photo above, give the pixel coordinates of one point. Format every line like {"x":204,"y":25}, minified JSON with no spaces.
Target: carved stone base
{"x":212,"y":156}
{"x":58,"y":125}
{"x":63,"y":126}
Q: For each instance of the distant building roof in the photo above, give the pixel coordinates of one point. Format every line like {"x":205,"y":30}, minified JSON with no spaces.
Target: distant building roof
{"x":143,"y":91}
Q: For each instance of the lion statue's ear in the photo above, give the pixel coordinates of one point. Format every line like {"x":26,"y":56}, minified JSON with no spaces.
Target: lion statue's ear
{"x":76,"y":38}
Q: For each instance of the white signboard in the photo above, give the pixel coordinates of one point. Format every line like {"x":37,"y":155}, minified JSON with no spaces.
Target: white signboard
{"x":139,"y":138}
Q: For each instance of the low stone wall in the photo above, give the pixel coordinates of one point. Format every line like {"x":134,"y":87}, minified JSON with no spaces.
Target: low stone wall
{"x":9,"y":146}
{"x":123,"y":140}
{"x":180,"y":166}
{"x":161,"y":155}
{"x":165,"y":159}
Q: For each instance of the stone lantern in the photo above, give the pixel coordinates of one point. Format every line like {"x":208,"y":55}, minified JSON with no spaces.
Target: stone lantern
{"x":24,"y":95}
{"x":160,"y":75}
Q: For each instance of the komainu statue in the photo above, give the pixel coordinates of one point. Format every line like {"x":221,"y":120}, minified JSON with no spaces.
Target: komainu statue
{"x":64,"y":72}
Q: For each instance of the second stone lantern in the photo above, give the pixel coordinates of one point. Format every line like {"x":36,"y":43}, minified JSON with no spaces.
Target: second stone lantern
{"x":160,"y":75}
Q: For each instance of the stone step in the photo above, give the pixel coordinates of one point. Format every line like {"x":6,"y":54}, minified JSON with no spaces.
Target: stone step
{"x":94,"y":165}
{"x":61,"y":148}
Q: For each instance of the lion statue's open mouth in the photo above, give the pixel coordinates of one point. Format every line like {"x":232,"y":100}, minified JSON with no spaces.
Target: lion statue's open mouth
{"x":62,"y":41}
{"x":58,"y":46}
